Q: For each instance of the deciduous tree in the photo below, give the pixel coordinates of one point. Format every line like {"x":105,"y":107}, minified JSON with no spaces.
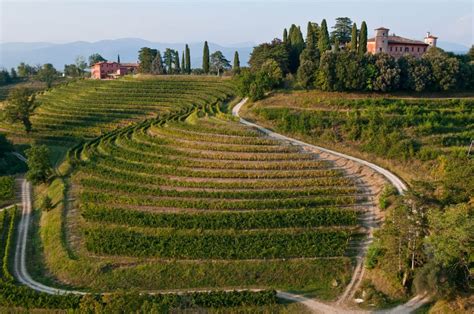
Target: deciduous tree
{"x":145,"y":58}
{"x":218,"y":62}
{"x":39,"y":165}
{"x":20,"y":105}
{"x":48,"y":74}
{"x":94,"y":58}
{"x":275,"y":50}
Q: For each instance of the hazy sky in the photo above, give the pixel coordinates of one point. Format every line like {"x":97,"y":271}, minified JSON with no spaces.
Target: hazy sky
{"x":223,"y":21}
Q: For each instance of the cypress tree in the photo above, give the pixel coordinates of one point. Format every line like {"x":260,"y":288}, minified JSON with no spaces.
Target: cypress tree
{"x":236,"y":66}
{"x":176,"y":63}
{"x":296,"y":43}
{"x":362,"y":49}
{"x":310,"y":36}
{"x":285,"y":36}
{"x":183,"y":63}
{"x":188,"y":59}
{"x":157,"y":64}
{"x":323,"y":43}
{"x":354,"y":37}
{"x":205,"y":58}
{"x":118,"y":59}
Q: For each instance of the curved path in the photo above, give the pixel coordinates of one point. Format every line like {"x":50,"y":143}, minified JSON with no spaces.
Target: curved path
{"x":21,"y":272}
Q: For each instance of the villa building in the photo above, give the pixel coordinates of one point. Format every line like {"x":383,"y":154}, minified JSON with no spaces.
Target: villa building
{"x":397,"y":46}
{"x":111,"y":70}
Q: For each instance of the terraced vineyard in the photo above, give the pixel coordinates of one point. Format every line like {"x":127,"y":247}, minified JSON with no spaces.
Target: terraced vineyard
{"x":85,"y":109}
{"x":185,"y":201}
{"x":169,"y":192}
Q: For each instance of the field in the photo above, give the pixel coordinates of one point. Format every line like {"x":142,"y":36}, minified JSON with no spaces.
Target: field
{"x":163,"y":190}
{"x":401,"y":133}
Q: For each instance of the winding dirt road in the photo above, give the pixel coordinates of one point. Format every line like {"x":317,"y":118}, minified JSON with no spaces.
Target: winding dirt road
{"x":21,"y":272}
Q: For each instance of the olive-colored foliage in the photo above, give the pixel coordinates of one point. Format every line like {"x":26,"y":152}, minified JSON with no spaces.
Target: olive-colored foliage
{"x":39,"y":165}
{"x":218,"y":244}
{"x":7,"y":189}
{"x":20,"y":106}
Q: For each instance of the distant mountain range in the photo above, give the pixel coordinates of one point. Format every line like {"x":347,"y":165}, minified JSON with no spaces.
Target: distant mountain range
{"x":11,"y":54}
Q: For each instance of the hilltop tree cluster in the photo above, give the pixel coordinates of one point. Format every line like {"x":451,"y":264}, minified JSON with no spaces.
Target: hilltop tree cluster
{"x":338,"y":61}
{"x":153,"y":62}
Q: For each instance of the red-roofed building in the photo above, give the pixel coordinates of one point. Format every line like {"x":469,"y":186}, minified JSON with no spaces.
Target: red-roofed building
{"x":111,"y":70}
{"x":397,"y":46}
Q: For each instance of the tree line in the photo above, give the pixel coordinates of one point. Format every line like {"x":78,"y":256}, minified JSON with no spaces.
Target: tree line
{"x":152,"y":61}
{"x":338,"y":61}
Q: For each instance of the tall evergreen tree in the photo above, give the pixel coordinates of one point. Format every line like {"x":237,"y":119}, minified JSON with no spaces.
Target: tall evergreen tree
{"x":118,"y":58}
{"x":188,"y":59}
{"x":311,"y":36}
{"x":362,"y":49}
{"x":177,"y":68}
{"x":168,"y":58}
{"x":323,"y":42}
{"x":236,"y":66}
{"x":297,"y":45}
{"x":157,"y":64}
{"x":205,"y":58}
{"x":342,"y":30}
{"x":354,"y":37}
{"x":285,"y":36}
{"x":183,"y":63}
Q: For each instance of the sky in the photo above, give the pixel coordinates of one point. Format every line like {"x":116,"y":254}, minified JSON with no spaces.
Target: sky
{"x":223,"y":21}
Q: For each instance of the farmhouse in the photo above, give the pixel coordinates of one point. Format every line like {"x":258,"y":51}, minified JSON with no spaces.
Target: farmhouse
{"x":110,"y":70}
{"x":397,"y":46}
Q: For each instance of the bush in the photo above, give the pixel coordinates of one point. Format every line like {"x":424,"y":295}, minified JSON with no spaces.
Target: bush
{"x":7,"y":189}
{"x":46,"y":204}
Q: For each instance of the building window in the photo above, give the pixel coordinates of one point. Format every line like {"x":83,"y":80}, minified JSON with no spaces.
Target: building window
{"x":418,"y":49}
{"x":412,"y":49}
{"x":390,"y":48}
{"x":380,"y":49}
{"x":407,"y":49}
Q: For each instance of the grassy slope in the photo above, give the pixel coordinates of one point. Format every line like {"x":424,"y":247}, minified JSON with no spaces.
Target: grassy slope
{"x":412,"y":169}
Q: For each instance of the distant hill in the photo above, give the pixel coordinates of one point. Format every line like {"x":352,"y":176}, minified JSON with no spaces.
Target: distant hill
{"x":11,"y":54}
{"x":453,"y":47}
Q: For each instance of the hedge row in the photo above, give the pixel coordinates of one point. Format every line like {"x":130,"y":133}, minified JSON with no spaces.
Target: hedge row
{"x":297,"y":218}
{"x":196,"y":244}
